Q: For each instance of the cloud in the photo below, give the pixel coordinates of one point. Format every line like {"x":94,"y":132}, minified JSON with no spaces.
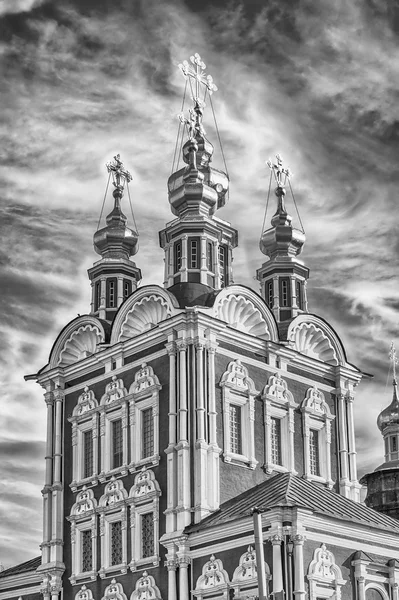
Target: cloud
{"x":18,"y":6}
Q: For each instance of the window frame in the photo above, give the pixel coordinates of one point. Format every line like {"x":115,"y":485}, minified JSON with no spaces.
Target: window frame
{"x":83,"y":517}
{"x":239,"y":389}
{"x":84,"y":418}
{"x":113,"y":406}
{"x":112,"y":508}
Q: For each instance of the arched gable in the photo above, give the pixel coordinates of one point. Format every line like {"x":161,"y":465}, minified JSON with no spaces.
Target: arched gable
{"x":142,"y":311}
{"x":245,"y":311}
{"x":78,"y":340}
{"x":312,"y":336}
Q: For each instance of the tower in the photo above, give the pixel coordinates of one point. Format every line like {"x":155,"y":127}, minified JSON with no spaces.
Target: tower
{"x":283,"y":277}
{"x":383,"y":483}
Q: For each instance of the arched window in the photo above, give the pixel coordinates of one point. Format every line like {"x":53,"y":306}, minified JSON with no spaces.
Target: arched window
{"x":324,"y":576}
{"x":144,"y":520}
{"x":83,"y":521}
{"x":84,"y":421}
{"x":238,"y":415}
{"x":144,"y":400}
{"x":279,"y":425}
{"x":317,"y":417}
{"x":113,"y":528}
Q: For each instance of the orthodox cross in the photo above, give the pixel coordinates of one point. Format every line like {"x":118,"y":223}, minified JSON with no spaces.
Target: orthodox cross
{"x":394,"y":360}
{"x":279,"y":170}
{"x":197,"y":72}
{"x":119,"y":173}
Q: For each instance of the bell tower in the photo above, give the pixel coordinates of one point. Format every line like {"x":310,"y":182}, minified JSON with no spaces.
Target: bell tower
{"x":115,"y":276}
{"x":283,"y":277}
{"x":198,"y":246}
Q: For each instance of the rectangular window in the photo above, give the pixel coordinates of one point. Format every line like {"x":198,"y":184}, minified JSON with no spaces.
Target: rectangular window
{"x":147,"y":431}
{"x":127,"y":288}
{"x":299,"y":299}
{"x":194,"y":262}
{"x":111,"y":293}
{"x":269,"y":294}
{"x":147,"y":535}
{"x":116,"y":543}
{"x":394,"y":445}
{"x":285,"y":292}
{"x":177,"y":256}
{"x":235,"y":429}
{"x":275,"y":438}
{"x":87,"y":551}
{"x":314,"y":458}
{"x":223,"y":265}
{"x":209,"y":256}
{"x":117,"y":444}
{"x":97,"y":298}
{"x":87,"y":453}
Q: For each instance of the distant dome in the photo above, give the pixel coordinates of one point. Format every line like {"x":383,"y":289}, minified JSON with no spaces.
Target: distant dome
{"x":390,"y":414}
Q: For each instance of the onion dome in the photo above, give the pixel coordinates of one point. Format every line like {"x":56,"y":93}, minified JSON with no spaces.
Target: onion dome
{"x":116,"y":240}
{"x":390,"y":415}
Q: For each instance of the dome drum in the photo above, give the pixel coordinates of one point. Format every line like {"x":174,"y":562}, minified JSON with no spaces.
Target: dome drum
{"x":198,"y":197}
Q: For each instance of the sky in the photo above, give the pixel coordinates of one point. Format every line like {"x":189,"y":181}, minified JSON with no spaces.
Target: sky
{"x":82,"y":80}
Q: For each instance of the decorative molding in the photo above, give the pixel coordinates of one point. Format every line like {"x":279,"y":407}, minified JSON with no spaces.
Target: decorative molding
{"x":144,"y":380}
{"x":114,"y":591}
{"x":312,"y":341}
{"x":146,"y":589}
{"x":145,"y":487}
{"x":114,"y":493}
{"x":245,"y":576}
{"x":214,"y":580}
{"x":240,"y":313}
{"x":86,"y":402}
{"x":114,"y":390}
{"x":84,"y":594}
{"x":82,"y":342}
{"x":143,"y":315}
{"x":85,"y":504}
{"x":324,"y":575}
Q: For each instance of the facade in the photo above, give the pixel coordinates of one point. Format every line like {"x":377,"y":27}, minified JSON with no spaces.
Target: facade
{"x":174,"y":411}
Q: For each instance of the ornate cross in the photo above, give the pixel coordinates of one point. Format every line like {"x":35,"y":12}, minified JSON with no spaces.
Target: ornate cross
{"x":394,"y":359}
{"x":119,"y":173}
{"x":197,"y":72}
{"x":279,"y":170}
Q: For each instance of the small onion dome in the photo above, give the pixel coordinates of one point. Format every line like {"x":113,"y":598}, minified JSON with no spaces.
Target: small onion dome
{"x":390,"y":414}
{"x":116,"y":240}
{"x":282,"y":239}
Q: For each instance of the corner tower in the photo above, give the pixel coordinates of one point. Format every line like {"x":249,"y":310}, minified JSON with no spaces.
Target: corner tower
{"x":115,"y":276}
{"x":283,"y":277}
{"x":198,"y":246}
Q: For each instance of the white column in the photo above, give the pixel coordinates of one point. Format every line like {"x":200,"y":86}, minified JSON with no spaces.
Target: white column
{"x":276,"y":297}
{"x":171,"y":493}
{"x":103,"y":298}
{"x":276,"y":540}
{"x":299,"y":582}
{"x":293,"y":296}
{"x":260,"y":558}
{"x":102,"y":443}
{"x":342,"y":444}
{"x":213,"y":479}
{"x":183,"y":430}
{"x":200,"y":409}
{"x":95,"y":443}
{"x":203,"y":266}
{"x":351,"y":438}
{"x":171,"y":565}
{"x":48,"y":396}
{"x":57,"y":493}
{"x":184,"y":591}
{"x":125,"y":434}
{"x":183,"y":447}
{"x":184,"y":258}
{"x":119,"y":290}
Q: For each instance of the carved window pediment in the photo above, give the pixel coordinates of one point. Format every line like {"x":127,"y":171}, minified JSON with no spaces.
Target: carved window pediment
{"x":86,"y":402}
{"x":114,"y":591}
{"x":146,"y":589}
{"x":245,"y":576}
{"x":85,"y":504}
{"x":324,"y":575}
{"x":145,"y":486}
{"x":114,"y":494}
{"x":114,"y":390}
{"x":213,"y":581}
{"x":144,"y":381}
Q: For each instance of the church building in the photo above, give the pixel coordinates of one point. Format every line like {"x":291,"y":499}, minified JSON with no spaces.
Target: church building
{"x":200,"y":435}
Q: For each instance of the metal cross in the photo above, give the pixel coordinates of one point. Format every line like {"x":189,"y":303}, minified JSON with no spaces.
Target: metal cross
{"x":119,"y":173}
{"x":279,"y":170}
{"x":394,"y":359}
{"x":197,"y":72}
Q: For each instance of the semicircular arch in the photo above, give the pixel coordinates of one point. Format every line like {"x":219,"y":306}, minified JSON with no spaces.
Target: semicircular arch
{"x":79,"y":339}
{"x":312,"y":336}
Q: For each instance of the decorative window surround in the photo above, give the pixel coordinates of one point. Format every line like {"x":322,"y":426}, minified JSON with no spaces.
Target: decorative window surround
{"x":114,"y":591}
{"x":239,"y":389}
{"x":324,"y":576}
{"x":279,"y":403}
{"x":143,"y":394}
{"x":214,"y":581}
{"x":114,"y":406}
{"x":83,"y":518}
{"x":316,"y":415}
{"x":84,"y":418}
{"x":112,"y":508}
{"x":146,"y":589}
{"x":84,"y":594}
{"x":245,"y":577}
{"x":144,"y":499}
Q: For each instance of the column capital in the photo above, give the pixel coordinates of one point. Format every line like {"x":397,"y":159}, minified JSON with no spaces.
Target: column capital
{"x":181,"y":345}
{"x":48,"y":398}
{"x":58,"y":394}
{"x":275,"y":539}
{"x":171,"y":348}
{"x":298,"y":539}
{"x":171,"y":564}
{"x":184,"y":561}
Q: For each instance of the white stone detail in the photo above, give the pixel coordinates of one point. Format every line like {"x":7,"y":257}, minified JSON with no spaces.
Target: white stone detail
{"x":144,"y":315}
{"x":114,"y":390}
{"x":213,"y":581}
{"x":144,"y":379}
{"x":315,"y":402}
{"x":85,"y":503}
{"x":114,"y":591}
{"x":146,"y":589}
{"x":245,"y":577}
{"x":86,"y":402}
{"x":84,"y":594}
{"x":324,"y":576}
{"x":240,"y":313}
{"x":145,"y":486}
{"x":313,"y":342}
{"x":82,"y":343}
{"x":114,"y":492}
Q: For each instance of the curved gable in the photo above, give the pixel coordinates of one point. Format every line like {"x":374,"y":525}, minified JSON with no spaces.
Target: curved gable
{"x":312,"y":336}
{"x":244,"y":310}
{"x":79,"y":339}
{"x":141,"y":312}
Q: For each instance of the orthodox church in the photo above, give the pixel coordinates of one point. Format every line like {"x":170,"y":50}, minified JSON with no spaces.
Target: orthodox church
{"x":200,"y":436}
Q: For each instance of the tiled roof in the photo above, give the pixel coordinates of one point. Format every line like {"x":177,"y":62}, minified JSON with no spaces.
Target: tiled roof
{"x":286,"y":489}
{"x":29,"y":565}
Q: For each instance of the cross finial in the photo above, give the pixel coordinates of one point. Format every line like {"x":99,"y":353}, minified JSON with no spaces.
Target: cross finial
{"x":394,"y":360}
{"x":120,"y":175}
{"x":279,"y":171}
{"x":197,"y":73}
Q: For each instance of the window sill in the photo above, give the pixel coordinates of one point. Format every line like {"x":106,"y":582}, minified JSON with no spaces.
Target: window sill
{"x":319,"y":479}
{"x":105,"y":475}
{"x":88,"y":482}
{"x":112,"y":571}
{"x":239,"y":460}
{"x":83,"y":577}
{"x":144,"y":563}
{"x":150,"y":460}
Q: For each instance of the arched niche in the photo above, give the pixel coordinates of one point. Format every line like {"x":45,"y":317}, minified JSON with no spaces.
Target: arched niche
{"x":313,"y":337}
{"x":78,"y":340}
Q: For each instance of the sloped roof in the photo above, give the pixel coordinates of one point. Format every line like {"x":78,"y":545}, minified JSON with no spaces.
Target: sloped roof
{"x":286,"y":489}
{"x":29,"y":565}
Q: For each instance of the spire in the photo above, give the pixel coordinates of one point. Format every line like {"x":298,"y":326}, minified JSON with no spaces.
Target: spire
{"x":197,"y":244}
{"x":115,"y":276}
{"x":389,"y":417}
{"x":283,"y":277}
